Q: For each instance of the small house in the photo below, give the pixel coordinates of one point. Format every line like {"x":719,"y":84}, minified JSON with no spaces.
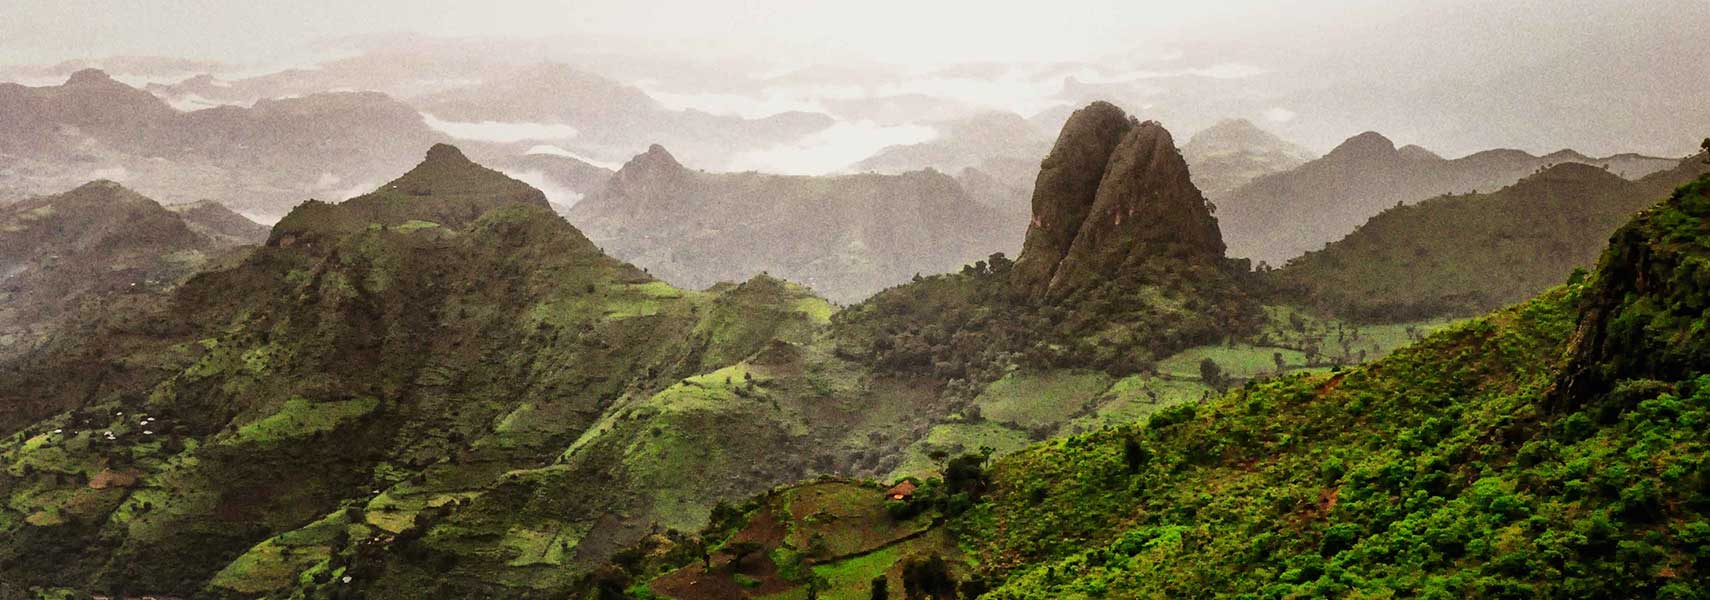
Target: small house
{"x":902,"y":492}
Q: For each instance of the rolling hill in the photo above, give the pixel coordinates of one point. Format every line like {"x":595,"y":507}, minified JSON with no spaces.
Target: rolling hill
{"x":1461,"y":255}
{"x":1277,"y":217}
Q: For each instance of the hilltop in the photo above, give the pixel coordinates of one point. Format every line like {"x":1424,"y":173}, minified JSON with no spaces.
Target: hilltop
{"x":1277,"y":217}
{"x":1438,"y":257}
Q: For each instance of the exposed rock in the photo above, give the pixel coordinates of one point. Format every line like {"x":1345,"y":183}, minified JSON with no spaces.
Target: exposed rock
{"x":1141,"y":205}
{"x":1065,"y":190}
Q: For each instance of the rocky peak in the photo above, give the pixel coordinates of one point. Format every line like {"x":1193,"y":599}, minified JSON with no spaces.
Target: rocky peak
{"x":655,"y":159}
{"x":446,"y":188}
{"x":653,"y":175}
{"x":1064,"y":192}
{"x":445,"y":156}
{"x":1112,"y":195}
{"x":446,"y":173}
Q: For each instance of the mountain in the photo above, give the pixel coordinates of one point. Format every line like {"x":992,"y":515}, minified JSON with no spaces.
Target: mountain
{"x":442,"y":387}
{"x":1437,"y":257}
{"x":1233,"y":152}
{"x":259,"y":160}
{"x":846,"y":236}
{"x":994,"y":154}
{"x":216,"y":222}
{"x":566,"y":180}
{"x":1104,"y":171}
{"x":971,"y":141}
{"x":1280,"y":216}
{"x":422,"y":340}
{"x":1550,"y":449}
{"x":65,"y":254}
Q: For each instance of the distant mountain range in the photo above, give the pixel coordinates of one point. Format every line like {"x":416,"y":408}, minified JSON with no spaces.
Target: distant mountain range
{"x":259,"y":160}
{"x":845,"y":236}
{"x":1233,"y":152}
{"x":610,"y":119}
{"x":1470,"y":253}
{"x":1277,"y":217}
{"x":64,"y":254}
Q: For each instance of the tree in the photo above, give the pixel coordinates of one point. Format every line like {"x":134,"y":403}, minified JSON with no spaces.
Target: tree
{"x":881,"y":589}
{"x":928,"y":578}
{"x":1000,"y":264}
{"x":1134,"y":455}
{"x":1705,"y":146}
{"x":965,"y":474}
{"x":1210,"y":373}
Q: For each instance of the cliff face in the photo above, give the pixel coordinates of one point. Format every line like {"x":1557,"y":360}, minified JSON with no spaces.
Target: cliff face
{"x":1065,"y":191}
{"x":1112,"y":195}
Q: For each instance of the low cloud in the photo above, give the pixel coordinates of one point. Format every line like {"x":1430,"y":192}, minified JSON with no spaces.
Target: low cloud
{"x":552,"y":150}
{"x":119,"y":174}
{"x":500,"y":132}
{"x":555,"y":193}
{"x":832,"y":149}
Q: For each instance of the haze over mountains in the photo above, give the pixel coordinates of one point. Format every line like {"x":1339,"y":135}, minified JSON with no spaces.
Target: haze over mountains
{"x":845,"y":236}
{"x":599,"y":300}
{"x":527,"y":119}
{"x":61,"y":256}
{"x":1276,"y":217}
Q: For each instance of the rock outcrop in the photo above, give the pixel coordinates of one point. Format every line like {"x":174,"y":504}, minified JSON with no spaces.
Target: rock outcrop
{"x":1113,"y":194}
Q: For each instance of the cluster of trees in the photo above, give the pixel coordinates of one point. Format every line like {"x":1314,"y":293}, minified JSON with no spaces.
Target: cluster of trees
{"x":964,"y":482}
{"x":971,"y":326}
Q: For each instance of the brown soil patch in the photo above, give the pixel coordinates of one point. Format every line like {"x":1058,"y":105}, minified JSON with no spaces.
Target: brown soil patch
{"x":109,"y":478}
{"x":695,"y":582}
{"x":1331,"y":385}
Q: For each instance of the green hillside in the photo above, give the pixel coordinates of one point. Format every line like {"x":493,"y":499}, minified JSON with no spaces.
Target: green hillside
{"x":444,"y":387}
{"x":1462,"y":255}
{"x":1553,"y":449}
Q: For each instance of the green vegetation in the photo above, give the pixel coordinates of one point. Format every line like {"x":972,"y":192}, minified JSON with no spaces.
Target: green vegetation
{"x":1466,"y":254}
{"x":493,"y":408}
{"x":1553,"y":449}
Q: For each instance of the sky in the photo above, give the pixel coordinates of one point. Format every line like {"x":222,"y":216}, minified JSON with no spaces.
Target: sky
{"x":893,"y":31}
{"x":1457,"y":76}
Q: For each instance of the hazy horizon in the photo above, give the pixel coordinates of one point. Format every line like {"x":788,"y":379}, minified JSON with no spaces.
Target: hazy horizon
{"x":1456,"y":77}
